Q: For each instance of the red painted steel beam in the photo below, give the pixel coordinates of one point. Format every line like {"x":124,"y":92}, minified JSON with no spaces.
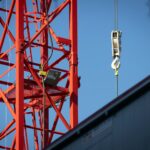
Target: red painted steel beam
{"x":5,"y":147}
{"x":7,"y":133}
{"x":8,"y":31}
{"x":28,"y":34}
{"x":19,"y":74}
{"x":13,"y":143}
{"x":7,"y":104}
{"x":26,"y":138}
{"x":7,"y":128}
{"x":54,"y":14}
{"x":30,"y":16}
{"x":63,"y":40}
{"x":47,"y":130}
{"x":44,"y":63}
{"x":26,"y":14}
{"x":8,"y":70}
{"x":7,"y":23}
{"x":5,"y":83}
{"x":41,"y":45}
{"x":56,"y":121}
{"x":57,"y":61}
{"x":35,"y":131}
{"x":57,"y":117}
{"x":56,"y":39}
{"x":5,"y":54}
{"x":27,"y":18}
{"x":11,"y":64}
{"x":6,"y":63}
{"x":49,"y":4}
{"x":36,"y":78}
{"x":73,"y":65}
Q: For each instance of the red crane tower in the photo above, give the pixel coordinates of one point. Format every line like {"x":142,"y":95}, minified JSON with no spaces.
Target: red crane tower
{"x":38,"y":72}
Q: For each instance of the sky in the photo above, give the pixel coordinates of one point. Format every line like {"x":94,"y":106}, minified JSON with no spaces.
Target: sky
{"x":95,"y":23}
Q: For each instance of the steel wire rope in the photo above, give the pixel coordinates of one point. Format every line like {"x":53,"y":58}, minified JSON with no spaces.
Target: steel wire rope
{"x":116,"y":28}
{"x":117,"y":79}
{"x":43,"y":120}
{"x":52,"y":50}
{"x":116,"y":14}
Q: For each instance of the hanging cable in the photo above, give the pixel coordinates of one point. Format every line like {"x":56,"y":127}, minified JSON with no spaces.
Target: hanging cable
{"x":50,"y":37}
{"x":117,"y":85}
{"x":116,"y":14}
{"x":116,"y":45}
{"x":47,"y":75}
{"x":52,"y":50}
{"x":44,"y":101}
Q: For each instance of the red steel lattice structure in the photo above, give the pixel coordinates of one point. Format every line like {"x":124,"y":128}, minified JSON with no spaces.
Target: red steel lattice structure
{"x":28,"y":26}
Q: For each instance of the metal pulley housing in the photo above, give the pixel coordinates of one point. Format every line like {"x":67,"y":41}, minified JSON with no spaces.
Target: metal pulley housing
{"x":116,"y":43}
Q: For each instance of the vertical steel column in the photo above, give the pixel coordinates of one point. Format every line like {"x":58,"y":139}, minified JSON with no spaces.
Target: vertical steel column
{"x":73,"y":65}
{"x":19,"y":75}
{"x":44,"y":57}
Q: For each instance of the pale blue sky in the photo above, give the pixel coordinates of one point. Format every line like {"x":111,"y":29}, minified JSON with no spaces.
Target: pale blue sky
{"x":96,"y":21}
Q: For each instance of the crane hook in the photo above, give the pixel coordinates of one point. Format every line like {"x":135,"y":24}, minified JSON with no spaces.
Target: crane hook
{"x":116,"y":65}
